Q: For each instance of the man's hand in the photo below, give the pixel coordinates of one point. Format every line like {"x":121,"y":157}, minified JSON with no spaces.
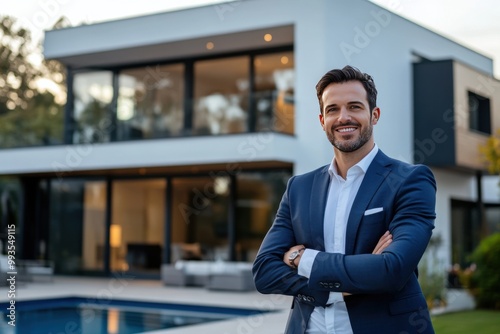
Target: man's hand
{"x":384,"y":241}
{"x":290,"y":251}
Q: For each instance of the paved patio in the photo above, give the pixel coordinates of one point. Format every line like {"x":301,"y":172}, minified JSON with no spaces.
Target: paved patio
{"x":123,"y":287}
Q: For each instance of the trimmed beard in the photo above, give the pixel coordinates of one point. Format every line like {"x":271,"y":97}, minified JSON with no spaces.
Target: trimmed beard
{"x":350,"y":145}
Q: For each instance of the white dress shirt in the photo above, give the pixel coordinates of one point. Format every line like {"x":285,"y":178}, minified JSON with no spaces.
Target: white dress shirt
{"x":334,"y":318}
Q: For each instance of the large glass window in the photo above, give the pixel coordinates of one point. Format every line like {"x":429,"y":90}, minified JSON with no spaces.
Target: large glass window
{"x":93,"y":94}
{"x":151,"y":102}
{"x":94,"y":226}
{"x":479,"y":113}
{"x":200,"y":218}
{"x":66,"y":225}
{"x":201,"y":221}
{"x":77,"y":226}
{"x":138,"y":225}
{"x":465,"y":230}
{"x":274,"y":92}
{"x":492,"y":213}
{"x":258,"y":198}
{"x":221,"y":95}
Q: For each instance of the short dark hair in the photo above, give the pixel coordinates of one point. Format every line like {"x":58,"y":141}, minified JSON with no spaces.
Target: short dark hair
{"x":348,"y":73}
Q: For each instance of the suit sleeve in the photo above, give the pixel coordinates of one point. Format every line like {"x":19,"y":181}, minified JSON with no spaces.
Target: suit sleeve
{"x":271,"y":274}
{"x":411,"y":226}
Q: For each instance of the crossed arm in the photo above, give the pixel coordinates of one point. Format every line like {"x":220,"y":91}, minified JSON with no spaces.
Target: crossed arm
{"x":384,"y":241}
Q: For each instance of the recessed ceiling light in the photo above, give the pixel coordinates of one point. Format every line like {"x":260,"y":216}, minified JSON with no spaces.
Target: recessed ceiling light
{"x":210,"y":46}
{"x":284,"y":60}
{"x":268,"y":37}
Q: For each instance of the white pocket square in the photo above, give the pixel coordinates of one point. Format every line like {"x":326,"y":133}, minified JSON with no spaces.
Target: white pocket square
{"x":372,"y":211}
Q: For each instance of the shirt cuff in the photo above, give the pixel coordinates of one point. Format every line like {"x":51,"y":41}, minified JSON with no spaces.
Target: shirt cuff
{"x":306,"y":262}
{"x":335,"y":297}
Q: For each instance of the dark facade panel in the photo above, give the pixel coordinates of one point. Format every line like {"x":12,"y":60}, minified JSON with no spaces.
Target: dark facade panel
{"x":433,"y":113}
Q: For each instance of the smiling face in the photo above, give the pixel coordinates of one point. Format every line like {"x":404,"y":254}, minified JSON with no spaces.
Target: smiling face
{"x":346,"y":117}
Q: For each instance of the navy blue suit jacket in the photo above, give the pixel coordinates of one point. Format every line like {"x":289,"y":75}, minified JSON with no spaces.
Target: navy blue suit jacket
{"x":386,"y":297}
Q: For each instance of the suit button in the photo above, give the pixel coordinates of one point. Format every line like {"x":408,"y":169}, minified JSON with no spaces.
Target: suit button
{"x":337,"y":285}
{"x":330,"y":285}
{"x":308,"y":299}
{"x":299,"y":296}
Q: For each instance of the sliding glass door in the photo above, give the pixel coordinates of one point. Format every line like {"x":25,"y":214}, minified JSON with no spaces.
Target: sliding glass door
{"x":136,"y":235}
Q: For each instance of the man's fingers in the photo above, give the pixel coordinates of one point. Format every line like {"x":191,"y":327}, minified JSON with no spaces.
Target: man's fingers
{"x":383,"y":243}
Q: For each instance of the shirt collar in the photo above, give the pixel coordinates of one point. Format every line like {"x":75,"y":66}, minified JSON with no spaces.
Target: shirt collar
{"x":363,"y":164}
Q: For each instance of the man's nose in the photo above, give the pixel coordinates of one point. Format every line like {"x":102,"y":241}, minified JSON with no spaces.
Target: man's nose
{"x":344,"y":115}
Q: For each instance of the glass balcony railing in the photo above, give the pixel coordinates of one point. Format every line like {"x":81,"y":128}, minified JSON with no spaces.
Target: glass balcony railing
{"x":215,"y":114}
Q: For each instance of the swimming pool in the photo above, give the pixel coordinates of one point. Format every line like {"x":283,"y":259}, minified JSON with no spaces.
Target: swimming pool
{"x":86,"y":316}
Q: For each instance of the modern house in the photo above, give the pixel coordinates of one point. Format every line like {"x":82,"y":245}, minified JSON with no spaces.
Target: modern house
{"x":182,"y":128}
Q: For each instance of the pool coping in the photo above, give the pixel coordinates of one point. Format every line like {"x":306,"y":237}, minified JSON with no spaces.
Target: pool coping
{"x":129,"y":288}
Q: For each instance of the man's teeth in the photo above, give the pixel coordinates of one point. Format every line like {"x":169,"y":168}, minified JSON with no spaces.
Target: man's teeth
{"x":347,"y":129}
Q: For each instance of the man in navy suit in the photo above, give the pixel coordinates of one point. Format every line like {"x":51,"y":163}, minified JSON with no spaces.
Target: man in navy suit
{"x":348,"y":236}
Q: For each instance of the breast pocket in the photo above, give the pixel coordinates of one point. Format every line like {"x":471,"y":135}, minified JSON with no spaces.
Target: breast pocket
{"x":371,"y":228}
{"x":373,"y":216}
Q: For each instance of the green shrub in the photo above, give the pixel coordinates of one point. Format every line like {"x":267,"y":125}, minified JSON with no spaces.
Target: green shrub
{"x":486,"y":278}
{"x":431,"y":276}
{"x":432,"y":282}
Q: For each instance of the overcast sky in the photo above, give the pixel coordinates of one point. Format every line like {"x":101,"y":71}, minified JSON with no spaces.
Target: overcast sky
{"x":474,"y":24}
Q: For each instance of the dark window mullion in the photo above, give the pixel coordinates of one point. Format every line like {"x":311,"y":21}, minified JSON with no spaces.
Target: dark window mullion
{"x":252,"y":110}
{"x":113,"y":112}
{"x":168,"y":222}
{"x":232,"y":218}
{"x":188,"y":97}
{"x":69,"y":120}
{"x":108,"y":219}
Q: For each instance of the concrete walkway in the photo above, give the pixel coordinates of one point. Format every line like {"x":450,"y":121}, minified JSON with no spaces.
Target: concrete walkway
{"x":128,"y":288}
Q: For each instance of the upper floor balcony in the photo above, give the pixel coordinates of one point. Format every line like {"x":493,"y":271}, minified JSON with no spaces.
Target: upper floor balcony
{"x":246,"y":92}
{"x":251,"y":92}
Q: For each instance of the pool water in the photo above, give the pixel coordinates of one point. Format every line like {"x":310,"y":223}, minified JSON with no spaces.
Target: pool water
{"x":74,"y":315}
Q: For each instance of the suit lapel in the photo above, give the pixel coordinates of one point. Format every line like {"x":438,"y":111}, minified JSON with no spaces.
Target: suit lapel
{"x":375,"y":174}
{"x":319,"y":194}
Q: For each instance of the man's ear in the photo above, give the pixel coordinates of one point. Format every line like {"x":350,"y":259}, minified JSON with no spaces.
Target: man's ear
{"x":322,"y":121}
{"x":375,"y":115}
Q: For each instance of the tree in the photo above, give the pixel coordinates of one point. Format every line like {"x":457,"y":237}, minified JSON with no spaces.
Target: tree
{"x":491,"y":152}
{"x":29,"y":113}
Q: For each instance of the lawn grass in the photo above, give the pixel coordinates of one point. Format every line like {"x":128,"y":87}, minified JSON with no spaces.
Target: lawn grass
{"x":475,"y":322}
